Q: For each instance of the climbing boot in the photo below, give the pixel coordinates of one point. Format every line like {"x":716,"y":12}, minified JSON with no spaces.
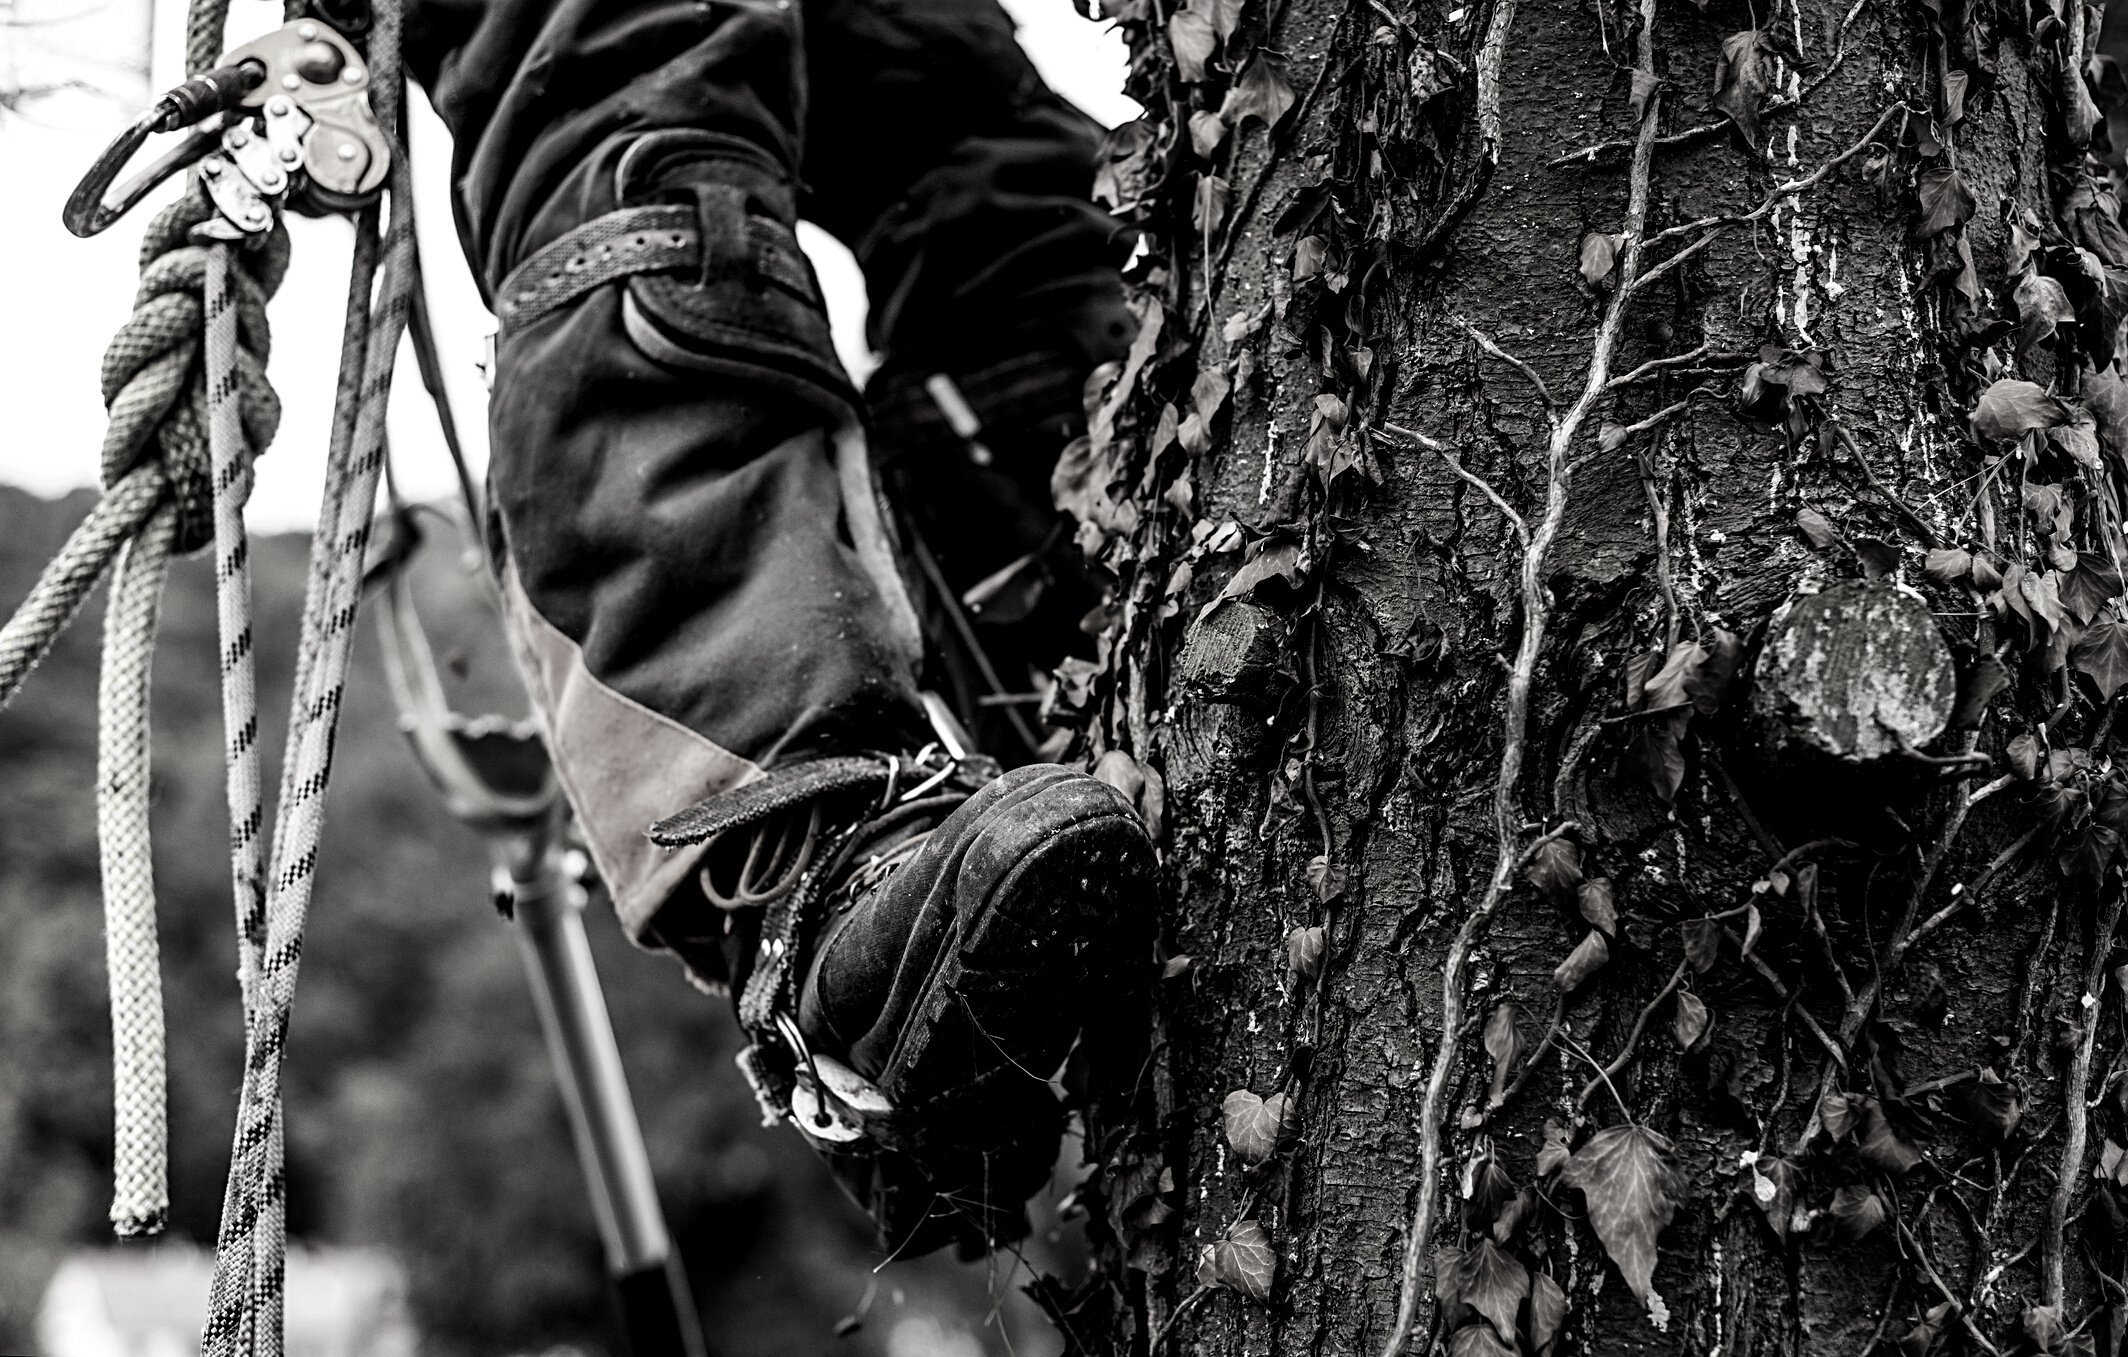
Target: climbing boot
{"x":915,"y":945}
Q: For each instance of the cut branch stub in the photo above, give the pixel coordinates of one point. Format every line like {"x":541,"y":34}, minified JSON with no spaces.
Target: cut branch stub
{"x":1232,"y":655}
{"x":1858,"y":672}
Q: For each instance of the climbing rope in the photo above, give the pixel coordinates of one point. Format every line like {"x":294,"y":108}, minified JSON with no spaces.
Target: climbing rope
{"x":184,"y":382}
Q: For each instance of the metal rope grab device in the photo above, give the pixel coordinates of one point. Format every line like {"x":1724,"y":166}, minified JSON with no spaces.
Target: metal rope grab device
{"x":300,"y":118}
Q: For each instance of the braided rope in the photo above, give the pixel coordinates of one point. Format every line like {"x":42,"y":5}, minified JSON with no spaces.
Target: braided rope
{"x":140,"y":1168}
{"x":232,"y":580}
{"x":186,"y":420}
{"x":184,"y":381}
{"x":66,"y":581}
{"x":239,"y":678}
{"x":154,"y":446}
{"x":248,"y":1279}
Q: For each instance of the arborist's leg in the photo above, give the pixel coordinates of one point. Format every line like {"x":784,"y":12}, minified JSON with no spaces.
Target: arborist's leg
{"x":692,"y":596}
{"x":987,"y":265}
{"x":702,"y":601}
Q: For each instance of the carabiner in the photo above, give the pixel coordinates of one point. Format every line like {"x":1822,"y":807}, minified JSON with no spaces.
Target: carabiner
{"x":304,"y":133}
{"x":94,"y":205}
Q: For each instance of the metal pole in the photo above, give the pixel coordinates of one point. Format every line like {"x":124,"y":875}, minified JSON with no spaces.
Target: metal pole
{"x":657,"y":1313}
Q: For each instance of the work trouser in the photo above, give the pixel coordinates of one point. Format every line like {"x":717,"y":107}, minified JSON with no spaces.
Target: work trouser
{"x":699,"y":586}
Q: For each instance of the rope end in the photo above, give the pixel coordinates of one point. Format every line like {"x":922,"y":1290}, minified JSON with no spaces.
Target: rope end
{"x":128,"y":1224}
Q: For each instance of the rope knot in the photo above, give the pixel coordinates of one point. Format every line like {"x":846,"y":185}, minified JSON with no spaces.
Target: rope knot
{"x":154,"y":383}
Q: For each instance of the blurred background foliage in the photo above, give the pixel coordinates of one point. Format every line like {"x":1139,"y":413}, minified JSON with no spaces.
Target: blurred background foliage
{"x":422,"y":1114}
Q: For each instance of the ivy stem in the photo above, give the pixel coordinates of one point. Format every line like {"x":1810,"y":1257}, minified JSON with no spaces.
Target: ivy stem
{"x":1536,"y":603}
{"x":1625,"y":1054}
{"x":1167,"y":1325}
{"x":2076,"y":1114}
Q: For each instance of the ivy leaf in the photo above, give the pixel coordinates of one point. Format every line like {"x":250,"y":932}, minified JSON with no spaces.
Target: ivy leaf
{"x":2042,"y":306}
{"x":1256,"y":1126}
{"x":1493,"y":1282}
{"x":1691,"y":1022}
{"x":2078,"y":440}
{"x":1628,"y":1175}
{"x":1504,"y":1044}
{"x":1739,"y":80}
{"x":1773,"y":1186}
{"x":2012,"y":408}
{"x":2043,"y":595}
{"x":2107,"y":395}
{"x":2023,"y":754}
{"x":1189,"y":32}
{"x":1879,"y":558}
{"x":1667,"y":688}
{"x":1273,"y":561}
{"x":1947,"y":565}
{"x":1599,"y":252}
{"x":1645,"y":83}
{"x":1176,"y":965}
{"x":1207,"y":130}
{"x":1857,"y":1211}
{"x":1880,"y":1146}
{"x":1510,"y":1220}
{"x":1547,"y":1313}
{"x":1598,"y":907}
{"x":2112,"y":1165}
{"x":1243,"y":1261}
{"x":2091,"y":586}
{"x":2050,"y":1336}
{"x":1226,"y":18}
{"x":1836,"y":1113}
{"x":1262,"y":92}
{"x":1555,"y":868}
{"x":1554,"y":1155}
{"x":1977,"y":686}
{"x":1138,"y":1187}
{"x":1945,"y":202}
{"x":1327,"y":877}
{"x":1954,"y":86}
{"x":1655,"y":750}
{"x":1584,"y":961}
{"x":1210,"y":206}
{"x":1708,"y":681}
{"x":1703,"y":943}
{"x":1991,"y":1107}
{"x":2102,"y":653}
{"x":1487,"y":1187}
{"x":1477,"y":1340}
{"x":1817,"y":527}
{"x":1304,"y":953}
{"x":1921,"y":1340}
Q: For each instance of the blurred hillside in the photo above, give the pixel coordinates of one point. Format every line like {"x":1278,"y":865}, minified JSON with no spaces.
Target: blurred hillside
{"x":422,"y":1115}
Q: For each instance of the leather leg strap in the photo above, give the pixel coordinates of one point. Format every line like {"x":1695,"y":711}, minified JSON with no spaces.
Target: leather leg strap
{"x":659,"y":238}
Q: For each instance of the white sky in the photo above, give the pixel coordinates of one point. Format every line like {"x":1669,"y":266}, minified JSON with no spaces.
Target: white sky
{"x":61,"y":298}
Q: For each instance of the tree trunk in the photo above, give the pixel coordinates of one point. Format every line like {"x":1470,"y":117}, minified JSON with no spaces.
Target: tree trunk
{"x":1614,"y":514}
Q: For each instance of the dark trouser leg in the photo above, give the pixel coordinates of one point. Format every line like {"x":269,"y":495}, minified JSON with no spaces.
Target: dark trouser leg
{"x":696,"y":579}
{"x":968,"y":208}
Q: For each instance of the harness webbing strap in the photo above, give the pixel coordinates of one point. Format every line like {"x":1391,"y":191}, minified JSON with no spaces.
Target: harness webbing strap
{"x":660,"y":238}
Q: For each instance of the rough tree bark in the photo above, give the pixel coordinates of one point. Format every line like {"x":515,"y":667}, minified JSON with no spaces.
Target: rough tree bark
{"x":1614,"y":515}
